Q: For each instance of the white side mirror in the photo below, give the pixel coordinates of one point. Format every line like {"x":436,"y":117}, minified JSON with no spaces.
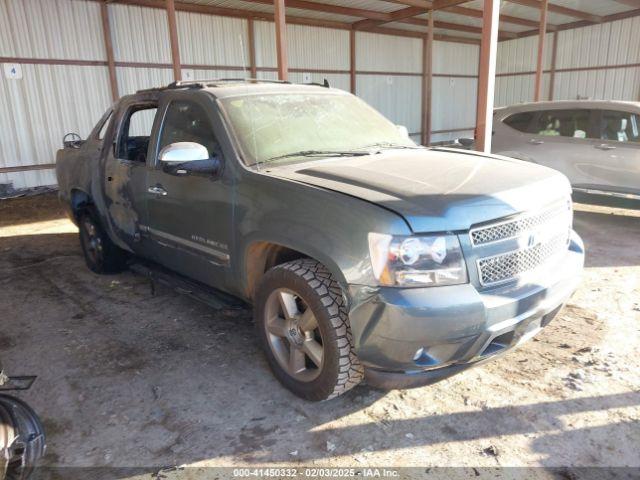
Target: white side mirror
{"x":183,"y":152}
{"x":403,"y":130}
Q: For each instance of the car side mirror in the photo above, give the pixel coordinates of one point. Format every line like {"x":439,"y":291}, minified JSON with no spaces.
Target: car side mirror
{"x":404,"y":131}
{"x":189,"y":158}
{"x":466,"y":142}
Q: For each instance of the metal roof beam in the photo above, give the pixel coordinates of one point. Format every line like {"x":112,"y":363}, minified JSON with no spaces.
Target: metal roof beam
{"x":586,"y":23}
{"x":413,"y":3}
{"x":472,"y":12}
{"x":441,"y":4}
{"x":569,"y":12}
{"x":457,"y":27}
{"x":328,"y":8}
{"x":630,"y":3}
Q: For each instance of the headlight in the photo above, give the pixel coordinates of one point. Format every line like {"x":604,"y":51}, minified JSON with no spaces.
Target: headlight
{"x":425,"y":260}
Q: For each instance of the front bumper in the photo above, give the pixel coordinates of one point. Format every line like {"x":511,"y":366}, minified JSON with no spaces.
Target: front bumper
{"x":417,"y":336}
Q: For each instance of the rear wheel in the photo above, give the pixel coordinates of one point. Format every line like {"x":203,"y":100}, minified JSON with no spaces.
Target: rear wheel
{"x":100,"y":253}
{"x":303,"y":325}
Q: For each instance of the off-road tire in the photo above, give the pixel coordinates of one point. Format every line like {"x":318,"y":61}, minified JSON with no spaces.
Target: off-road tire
{"x":311,"y":280}
{"x":111,"y":259}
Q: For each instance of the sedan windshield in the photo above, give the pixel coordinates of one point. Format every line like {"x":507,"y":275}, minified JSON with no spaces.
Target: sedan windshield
{"x":292,"y":127}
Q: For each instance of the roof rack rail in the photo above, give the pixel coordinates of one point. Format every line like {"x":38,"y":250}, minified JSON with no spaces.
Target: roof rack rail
{"x":215,"y":81}
{"x":186,"y":84}
{"x":324,"y":84}
{"x":242,"y":79}
{"x":175,"y":85}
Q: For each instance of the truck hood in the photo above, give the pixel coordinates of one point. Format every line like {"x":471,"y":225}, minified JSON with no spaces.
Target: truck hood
{"x":436,"y":189}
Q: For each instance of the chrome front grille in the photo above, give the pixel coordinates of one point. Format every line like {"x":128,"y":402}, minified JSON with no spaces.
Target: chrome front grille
{"x":516,"y":227}
{"x":508,"y":249}
{"x":504,"y":267}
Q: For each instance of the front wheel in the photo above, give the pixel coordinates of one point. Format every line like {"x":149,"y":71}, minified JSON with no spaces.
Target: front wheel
{"x":303,"y":325}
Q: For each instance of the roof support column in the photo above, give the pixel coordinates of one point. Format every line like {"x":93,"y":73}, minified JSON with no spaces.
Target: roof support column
{"x":427,"y":81}
{"x":251,"y":39}
{"x":173,"y":39}
{"x":487,"y":75}
{"x":108,"y":45}
{"x":352,"y":60}
{"x":554,"y":57}
{"x":281,"y":39}
{"x":544,"y":5}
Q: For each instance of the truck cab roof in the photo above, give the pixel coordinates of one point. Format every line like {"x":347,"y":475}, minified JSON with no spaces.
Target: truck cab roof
{"x":221,"y":88}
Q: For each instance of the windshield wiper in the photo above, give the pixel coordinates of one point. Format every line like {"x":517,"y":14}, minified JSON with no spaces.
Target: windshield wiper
{"x":321,"y":153}
{"x":392,"y":145}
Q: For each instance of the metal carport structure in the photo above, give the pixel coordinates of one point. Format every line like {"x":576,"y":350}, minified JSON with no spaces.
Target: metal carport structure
{"x":437,"y":55}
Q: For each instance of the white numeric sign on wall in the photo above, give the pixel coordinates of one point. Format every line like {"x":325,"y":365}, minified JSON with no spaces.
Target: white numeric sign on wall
{"x":12,"y":70}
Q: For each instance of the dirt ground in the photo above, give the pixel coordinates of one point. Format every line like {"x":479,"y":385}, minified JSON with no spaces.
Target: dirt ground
{"x":126,"y":378}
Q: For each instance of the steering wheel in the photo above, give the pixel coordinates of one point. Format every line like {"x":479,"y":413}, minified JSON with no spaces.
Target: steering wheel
{"x":74,"y":141}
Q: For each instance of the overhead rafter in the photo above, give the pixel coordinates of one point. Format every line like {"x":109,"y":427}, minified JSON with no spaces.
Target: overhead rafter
{"x":373,"y":21}
{"x":396,"y":16}
{"x":457,"y":27}
{"x":409,"y":12}
{"x":426,"y":4}
{"x":330,"y":8}
{"x":442,"y":4}
{"x":374,"y":18}
{"x":586,"y":23}
{"x":569,"y":12}
{"x":630,"y":3}
{"x":472,"y":12}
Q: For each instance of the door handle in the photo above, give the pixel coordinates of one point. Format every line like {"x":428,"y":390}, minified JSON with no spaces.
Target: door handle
{"x":536,"y":141}
{"x":605,"y":146}
{"x":157,"y":191}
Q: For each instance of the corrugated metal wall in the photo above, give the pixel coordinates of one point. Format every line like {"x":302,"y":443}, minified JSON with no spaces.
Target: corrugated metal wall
{"x":314,"y":52}
{"x":515,"y":65}
{"x":398,"y":96}
{"x":455,"y":86}
{"x":609,"y":44}
{"x":51,"y":100}
{"x":590,"y":63}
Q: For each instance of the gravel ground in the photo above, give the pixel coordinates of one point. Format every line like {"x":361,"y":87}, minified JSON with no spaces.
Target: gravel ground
{"x":128,"y":379}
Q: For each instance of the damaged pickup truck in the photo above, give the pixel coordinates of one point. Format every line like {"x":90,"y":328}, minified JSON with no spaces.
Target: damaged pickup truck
{"x":363,"y":254}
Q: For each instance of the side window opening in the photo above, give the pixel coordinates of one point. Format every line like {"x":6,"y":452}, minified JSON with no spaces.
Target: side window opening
{"x":521,"y":122}
{"x":187,"y":121}
{"x":564,"y":123}
{"x":136,"y":131}
{"x":620,"y":126}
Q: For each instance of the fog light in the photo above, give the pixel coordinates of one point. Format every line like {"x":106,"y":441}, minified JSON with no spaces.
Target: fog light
{"x":419,"y":353}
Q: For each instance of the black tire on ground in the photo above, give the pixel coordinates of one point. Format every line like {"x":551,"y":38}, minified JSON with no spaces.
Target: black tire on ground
{"x":100,"y":253}
{"x":309,"y":286}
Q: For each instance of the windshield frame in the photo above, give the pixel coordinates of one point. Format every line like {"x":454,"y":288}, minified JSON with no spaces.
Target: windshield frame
{"x":246,"y":160}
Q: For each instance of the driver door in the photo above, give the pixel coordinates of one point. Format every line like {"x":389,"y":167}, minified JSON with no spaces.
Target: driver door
{"x":189,"y":216}
{"x":125,"y":171}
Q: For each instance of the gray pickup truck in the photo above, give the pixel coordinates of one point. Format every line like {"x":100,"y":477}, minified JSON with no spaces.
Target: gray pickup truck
{"x":363,"y":254}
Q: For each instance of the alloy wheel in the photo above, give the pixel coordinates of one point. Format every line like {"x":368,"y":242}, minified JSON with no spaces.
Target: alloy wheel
{"x":293,"y":335}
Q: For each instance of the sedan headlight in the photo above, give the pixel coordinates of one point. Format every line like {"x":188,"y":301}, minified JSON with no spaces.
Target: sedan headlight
{"x":425,"y":260}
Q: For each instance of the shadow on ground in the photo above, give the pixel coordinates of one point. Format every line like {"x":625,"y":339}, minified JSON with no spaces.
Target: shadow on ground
{"x":128,"y":378}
